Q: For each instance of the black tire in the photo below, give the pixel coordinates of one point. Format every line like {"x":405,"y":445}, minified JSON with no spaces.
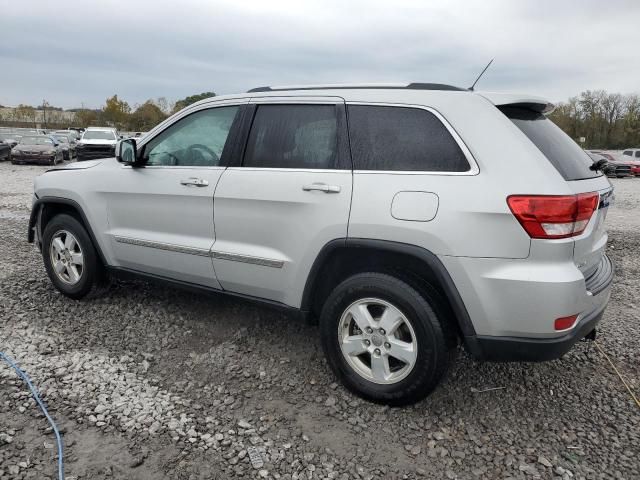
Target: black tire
{"x":93,"y":278}
{"x":433,"y":335}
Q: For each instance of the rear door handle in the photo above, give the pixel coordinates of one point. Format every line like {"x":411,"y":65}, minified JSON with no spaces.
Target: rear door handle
{"x":321,"y":187}
{"x":196,"y":182}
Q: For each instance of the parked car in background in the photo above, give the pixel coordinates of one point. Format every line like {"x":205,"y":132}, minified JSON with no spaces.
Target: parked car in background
{"x":633,"y":155}
{"x":616,"y":166}
{"x":77,"y":133}
{"x":97,"y":142}
{"x":67,"y":142}
{"x":10,"y":139}
{"x":5,"y":150}
{"x":611,"y":168}
{"x":37,"y":149}
{"x":632,"y":152}
{"x":405,"y":231}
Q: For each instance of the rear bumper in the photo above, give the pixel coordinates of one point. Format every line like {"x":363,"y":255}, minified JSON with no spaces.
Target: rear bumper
{"x":523,"y":349}
{"x":515,"y":349}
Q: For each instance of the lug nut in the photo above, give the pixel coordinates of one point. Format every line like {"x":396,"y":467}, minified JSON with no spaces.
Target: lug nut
{"x":377,"y":351}
{"x":387,"y":345}
{"x":369,"y":330}
{"x":382,"y":332}
{"x":367,"y":343}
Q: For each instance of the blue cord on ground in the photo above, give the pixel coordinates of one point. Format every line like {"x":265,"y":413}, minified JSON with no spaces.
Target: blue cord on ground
{"x":34,"y":392}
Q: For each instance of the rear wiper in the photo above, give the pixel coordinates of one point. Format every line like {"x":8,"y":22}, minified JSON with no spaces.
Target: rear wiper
{"x":599,"y":165}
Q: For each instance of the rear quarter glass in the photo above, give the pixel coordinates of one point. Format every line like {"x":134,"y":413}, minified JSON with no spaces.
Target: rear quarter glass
{"x":564,"y":154}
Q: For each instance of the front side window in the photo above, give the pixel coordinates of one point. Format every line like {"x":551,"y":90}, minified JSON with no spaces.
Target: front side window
{"x":637,"y":153}
{"x":293,"y":136}
{"x":402,"y":139}
{"x":196,"y":140}
{"x":627,"y":152}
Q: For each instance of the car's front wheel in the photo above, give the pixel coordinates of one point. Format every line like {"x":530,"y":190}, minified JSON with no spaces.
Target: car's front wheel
{"x":70,"y":258}
{"x":383,"y":339}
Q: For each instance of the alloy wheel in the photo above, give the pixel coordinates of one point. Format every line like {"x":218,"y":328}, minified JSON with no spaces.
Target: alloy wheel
{"x":67,"y":258}
{"x":377,"y":341}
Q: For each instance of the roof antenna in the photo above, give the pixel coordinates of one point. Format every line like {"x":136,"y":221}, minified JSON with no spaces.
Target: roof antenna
{"x":481,"y":73}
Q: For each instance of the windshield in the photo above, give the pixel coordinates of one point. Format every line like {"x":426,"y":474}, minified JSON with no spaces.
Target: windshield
{"x":61,"y":138}
{"x":99,"y":135}
{"x":7,"y":137}
{"x":564,"y":154}
{"x":36,"y":141}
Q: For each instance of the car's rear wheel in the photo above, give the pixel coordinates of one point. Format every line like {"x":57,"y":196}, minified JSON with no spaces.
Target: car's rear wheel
{"x":383,"y":339}
{"x":70,"y":258}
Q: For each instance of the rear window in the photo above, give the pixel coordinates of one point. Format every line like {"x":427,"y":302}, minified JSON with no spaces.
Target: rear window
{"x":564,"y":154}
{"x":402,"y":139}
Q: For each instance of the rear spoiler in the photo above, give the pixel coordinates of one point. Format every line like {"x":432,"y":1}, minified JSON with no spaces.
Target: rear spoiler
{"x":537,"y":104}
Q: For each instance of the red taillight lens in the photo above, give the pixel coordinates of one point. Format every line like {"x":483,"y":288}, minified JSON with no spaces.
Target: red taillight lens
{"x":554,"y":216}
{"x":565,"y":322}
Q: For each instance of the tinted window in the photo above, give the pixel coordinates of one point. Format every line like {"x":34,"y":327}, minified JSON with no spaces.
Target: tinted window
{"x":401,"y":138}
{"x":293,"y":136}
{"x":638,"y":154}
{"x":564,"y":154}
{"x":627,"y":152}
{"x":195,"y":140}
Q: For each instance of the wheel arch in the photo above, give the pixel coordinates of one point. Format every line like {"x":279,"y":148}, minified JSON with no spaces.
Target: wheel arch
{"x":45,"y":208}
{"x":341,"y":258}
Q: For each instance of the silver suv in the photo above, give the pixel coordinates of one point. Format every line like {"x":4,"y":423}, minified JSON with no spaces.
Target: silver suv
{"x":405,"y":219}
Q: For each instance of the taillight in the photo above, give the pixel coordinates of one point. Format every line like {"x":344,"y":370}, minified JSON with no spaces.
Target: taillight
{"x":564,"y":323}
{"x":554,"y":216}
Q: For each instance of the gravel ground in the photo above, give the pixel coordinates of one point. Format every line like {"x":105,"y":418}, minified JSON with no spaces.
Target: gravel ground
{"x":148,"y":383}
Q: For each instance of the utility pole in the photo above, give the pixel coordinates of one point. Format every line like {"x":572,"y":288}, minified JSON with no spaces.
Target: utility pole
{"x":44,"y":112}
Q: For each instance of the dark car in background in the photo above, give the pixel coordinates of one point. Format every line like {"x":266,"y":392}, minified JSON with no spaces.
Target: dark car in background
{"x":10,"y":139}
{"x":37,"y":149}
{"x":67,"y":142}
{"x":5,"y":150}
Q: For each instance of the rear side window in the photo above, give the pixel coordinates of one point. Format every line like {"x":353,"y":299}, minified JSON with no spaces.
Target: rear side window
{"x":402,"y":138}
{"x":564,"y":154}
{"x":638,"y":154}
{"x":627,"y":152}
{"x":293,"y":136}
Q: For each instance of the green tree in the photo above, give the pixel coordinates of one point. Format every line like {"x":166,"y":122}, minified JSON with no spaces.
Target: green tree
{"x":116,"y":112}
{"x":25,"y":113}
{"x":85,"y":117}
{"x":185,"y":102}
{"x":146,"y":116}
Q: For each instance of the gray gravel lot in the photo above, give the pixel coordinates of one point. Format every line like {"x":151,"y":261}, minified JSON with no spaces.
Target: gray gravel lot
{"x":151,"y":383}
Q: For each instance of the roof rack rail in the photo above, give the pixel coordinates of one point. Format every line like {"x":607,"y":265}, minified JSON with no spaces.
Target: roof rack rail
{"x":409,"y":86}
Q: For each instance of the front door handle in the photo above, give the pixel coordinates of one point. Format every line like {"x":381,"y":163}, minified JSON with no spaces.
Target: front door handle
{"x":321,"y":187}
{"x":193,"y":181}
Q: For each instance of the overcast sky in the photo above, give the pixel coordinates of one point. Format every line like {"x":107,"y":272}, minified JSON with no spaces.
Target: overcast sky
{"x":80,"y":52}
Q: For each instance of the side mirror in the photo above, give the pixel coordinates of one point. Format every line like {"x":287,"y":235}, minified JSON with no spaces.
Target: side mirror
{"x":127,"y":152}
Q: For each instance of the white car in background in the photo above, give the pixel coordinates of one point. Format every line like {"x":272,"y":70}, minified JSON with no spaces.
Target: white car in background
{"x":97,"y":142}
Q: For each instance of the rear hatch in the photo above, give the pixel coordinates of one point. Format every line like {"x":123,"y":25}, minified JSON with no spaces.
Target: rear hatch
{"x":573,"y":164}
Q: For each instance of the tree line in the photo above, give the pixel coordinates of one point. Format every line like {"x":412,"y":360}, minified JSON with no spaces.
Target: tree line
{"x":605,"y":120}
{"x":116,"y":113}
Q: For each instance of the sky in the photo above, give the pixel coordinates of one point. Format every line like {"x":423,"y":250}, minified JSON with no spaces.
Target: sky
{"x":78,"y":53}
